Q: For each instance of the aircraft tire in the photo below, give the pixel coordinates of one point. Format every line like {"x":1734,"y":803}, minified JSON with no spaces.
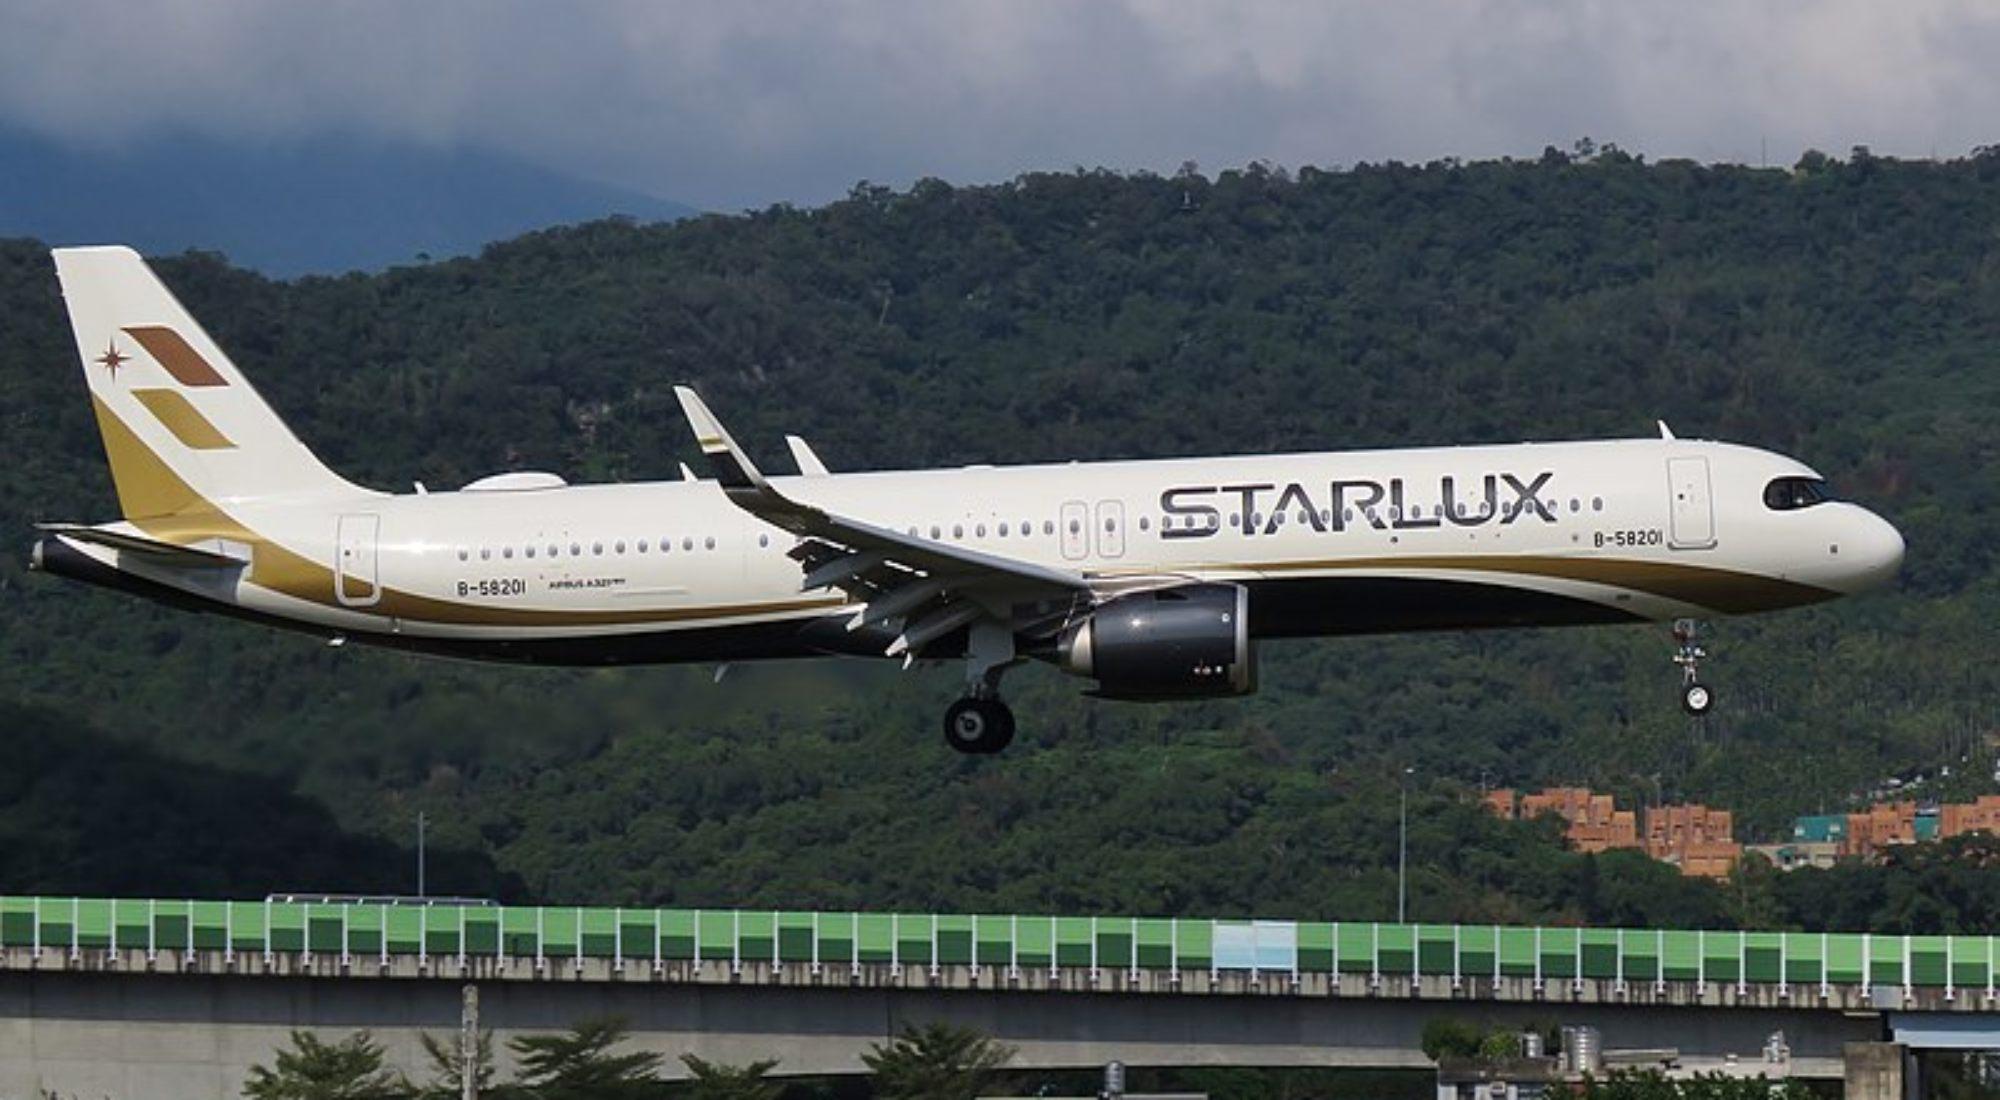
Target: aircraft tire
{"x":1697,"y":699}
{"x":978,"y":726}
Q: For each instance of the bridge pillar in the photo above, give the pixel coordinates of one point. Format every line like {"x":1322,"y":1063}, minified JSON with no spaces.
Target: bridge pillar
{"x":1874,"y":1071}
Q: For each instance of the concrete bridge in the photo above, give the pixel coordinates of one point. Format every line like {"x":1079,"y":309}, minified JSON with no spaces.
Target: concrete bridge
{"x":172,"y":999}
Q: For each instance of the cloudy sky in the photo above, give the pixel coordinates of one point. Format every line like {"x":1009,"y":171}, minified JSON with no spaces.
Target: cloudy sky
{"x":738,"y":103}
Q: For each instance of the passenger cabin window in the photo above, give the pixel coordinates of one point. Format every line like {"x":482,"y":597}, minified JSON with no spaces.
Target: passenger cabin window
{"x":1790,"y":493}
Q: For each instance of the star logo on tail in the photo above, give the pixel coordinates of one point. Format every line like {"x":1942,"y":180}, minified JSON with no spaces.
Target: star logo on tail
{"x":111,"y":360}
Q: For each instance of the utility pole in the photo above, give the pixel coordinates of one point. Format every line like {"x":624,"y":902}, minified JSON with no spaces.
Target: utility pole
{"x":421,"y":821}
{"x":1403,"y":844}
{"x":468,"y":1044}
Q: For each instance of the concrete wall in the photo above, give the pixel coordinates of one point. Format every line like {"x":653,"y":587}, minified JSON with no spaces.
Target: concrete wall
{"x":194,"y":1036}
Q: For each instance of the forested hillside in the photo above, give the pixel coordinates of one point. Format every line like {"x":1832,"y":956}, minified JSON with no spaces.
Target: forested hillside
{"x":1845,"y":312}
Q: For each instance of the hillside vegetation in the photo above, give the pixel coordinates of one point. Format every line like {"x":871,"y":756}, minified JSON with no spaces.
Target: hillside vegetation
{"x":1844,"y":312}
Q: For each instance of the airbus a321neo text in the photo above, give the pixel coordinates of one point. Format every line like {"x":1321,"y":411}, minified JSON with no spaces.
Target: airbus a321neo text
{"x":1153,"y":580}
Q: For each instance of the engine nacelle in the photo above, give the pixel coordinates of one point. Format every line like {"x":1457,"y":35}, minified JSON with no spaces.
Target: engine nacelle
{"x":1186,"y":642}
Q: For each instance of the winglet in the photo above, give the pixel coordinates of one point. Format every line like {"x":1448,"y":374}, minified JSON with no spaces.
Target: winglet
{"x":1665,"y":432}
{"x":802,"y":454}
{"x":732,"y":467}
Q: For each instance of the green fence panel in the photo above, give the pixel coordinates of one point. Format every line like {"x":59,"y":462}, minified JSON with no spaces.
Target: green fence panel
{"x":1115,"y":943}
{"x":1929,"y":965}
{"x":1194,"y":945}
{"x":1396,"y":948}
{"x":1885,"y":960}
{"x":639,"y":934}
{"x":211,"y":925}
{"x":1971,"y":962}
{"x":326,"y":929}
{"x":1035,"y":943}
{"x":993,"y":934}
{"x":1845,"y":959}
{"x":1680,"y":959}
{"x":954,"y":940}
{"x":1072,"y":941}
{"x":247,"y":930}
{"x":1559,"y":949}
{"x":56,"y":919}
{"x":444,"y":929}
{"x":715,"y":938}
{"x":913,"y":938}
{"x":795,"y":937}
{"x":1437,"y":950}
{"x":1597,"y":953}
{"x":17,"y":922}
{"x":1639,"y":955}
{"x":287,"y":932}
{"x":403,"y":926}
{"x":1519,"y":956}
{"x":1478,"y":951}
{"x":1315,"y":947}
{"x":94,"y":924}
{"x":756,"y":936}
{"x":877,"y":938}
{"x":1763,"y":957}
{"x":1722,"y":956}
{"x":1805,"y":958}
{"x":365,"y":930}
{"x":836,"y":939}
{"x":132,"y":925}
{"x":1156,"y":943}
{"x":520,"y":932}
{"x":479,"y":930}
{"x":1354,"y":946}
{"x":562,"y":933}
{"x":677,"y":935}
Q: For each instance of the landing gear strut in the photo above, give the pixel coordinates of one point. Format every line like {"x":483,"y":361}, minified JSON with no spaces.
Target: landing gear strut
{"x":1696,"y":697}
{"x":980,"y":723}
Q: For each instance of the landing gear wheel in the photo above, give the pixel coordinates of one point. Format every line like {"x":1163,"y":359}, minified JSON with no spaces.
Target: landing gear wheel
{"x":1696,"y":698}
{"x":979,"y":726}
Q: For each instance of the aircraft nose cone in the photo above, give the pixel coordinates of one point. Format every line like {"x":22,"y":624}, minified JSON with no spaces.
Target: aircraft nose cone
{"x":1874,"y":552}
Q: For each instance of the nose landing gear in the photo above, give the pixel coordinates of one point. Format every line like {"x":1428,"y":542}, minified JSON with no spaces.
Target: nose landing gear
{"x":1696,"y":697}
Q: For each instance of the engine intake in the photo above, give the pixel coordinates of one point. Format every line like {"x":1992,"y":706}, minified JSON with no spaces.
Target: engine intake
{"x":1186,"y":642}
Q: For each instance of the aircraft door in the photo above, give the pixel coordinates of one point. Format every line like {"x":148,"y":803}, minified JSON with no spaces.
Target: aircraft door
{"x":1110,"y":528}
{"x":1075,"y":530}
{"x":1693,"y":508}
{"x":354,"y":580}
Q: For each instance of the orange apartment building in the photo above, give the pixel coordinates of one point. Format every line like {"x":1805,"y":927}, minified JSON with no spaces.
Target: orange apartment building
{"x":1694,"y":838}
{"x":1880,"y":826}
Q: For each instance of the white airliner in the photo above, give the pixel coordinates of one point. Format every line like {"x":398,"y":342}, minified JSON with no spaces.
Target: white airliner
{"x":1153,"y":579}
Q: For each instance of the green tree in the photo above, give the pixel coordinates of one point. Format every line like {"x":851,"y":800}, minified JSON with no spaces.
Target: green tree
{"x":580,"y":1065}
{"x":314,"y":1070}
{"x":1654,"y":1085}
{"x":448,"y":1066}
{"x":1450,"y":1037}
{"x":935,"y":1062}
{"x":715,"y":1081}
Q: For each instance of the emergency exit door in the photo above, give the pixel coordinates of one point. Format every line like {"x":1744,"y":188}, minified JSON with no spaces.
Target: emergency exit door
{"x":1693,"y":509}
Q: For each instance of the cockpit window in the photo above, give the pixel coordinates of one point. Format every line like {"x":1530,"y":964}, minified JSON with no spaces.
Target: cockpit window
{"x":1789,"y":493}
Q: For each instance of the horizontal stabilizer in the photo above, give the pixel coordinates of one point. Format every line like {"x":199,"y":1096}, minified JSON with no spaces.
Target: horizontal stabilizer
{"x":163,"y":553}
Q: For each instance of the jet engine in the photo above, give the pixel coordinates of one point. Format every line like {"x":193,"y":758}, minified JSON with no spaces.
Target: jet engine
{"x":1185,"y":642}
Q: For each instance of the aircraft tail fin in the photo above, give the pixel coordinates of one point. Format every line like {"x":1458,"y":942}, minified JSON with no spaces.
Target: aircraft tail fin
{"x":182,"y":427}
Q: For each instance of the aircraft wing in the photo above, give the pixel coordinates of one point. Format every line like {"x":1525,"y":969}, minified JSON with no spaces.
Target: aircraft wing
{"x":162,"y":553}
{"x":932,"y":586}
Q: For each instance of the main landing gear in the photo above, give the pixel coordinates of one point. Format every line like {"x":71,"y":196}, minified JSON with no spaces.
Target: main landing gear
{"x":1696,"y":697}
{"x":980,"y":723}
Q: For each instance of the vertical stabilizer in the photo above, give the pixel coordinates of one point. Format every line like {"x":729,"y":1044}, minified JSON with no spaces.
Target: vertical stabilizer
{"x":184,"y":431}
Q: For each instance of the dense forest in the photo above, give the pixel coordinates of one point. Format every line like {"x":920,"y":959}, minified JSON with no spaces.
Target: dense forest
{"x":1844,"y":311}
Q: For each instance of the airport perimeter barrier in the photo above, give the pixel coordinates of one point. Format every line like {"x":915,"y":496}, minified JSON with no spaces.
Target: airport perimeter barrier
{"x":355,"y":932}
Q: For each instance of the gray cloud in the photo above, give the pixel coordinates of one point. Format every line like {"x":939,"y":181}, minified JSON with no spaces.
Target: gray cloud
{"x":733,"y":104}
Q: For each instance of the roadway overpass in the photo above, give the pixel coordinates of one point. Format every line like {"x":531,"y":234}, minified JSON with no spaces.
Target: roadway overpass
{"x":171,"y":998}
